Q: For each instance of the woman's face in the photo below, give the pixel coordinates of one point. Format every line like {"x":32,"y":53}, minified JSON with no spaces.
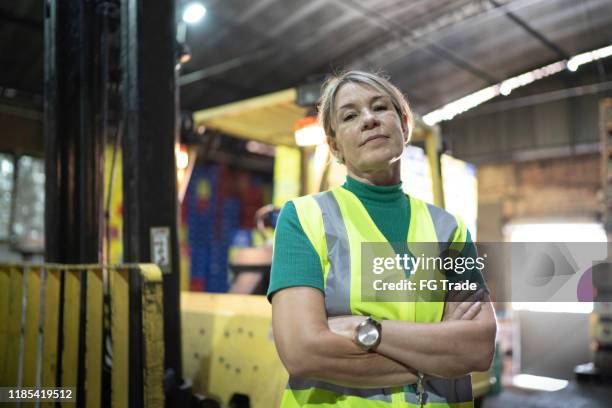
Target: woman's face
{"x":370,"y":135}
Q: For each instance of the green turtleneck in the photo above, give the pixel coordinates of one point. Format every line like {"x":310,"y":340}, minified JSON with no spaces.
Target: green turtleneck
{"x":295,"y":261}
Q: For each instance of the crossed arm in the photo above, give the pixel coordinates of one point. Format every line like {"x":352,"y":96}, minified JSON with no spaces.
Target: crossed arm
{"x":311,"y":345}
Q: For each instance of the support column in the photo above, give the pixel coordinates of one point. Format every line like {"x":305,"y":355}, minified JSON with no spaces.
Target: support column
{"x":432,"y":149}
{"x":73,"y":145}
{"x":148,"y":54}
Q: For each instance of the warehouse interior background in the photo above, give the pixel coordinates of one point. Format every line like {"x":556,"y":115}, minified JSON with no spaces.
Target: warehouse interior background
{"x":172,"y":133}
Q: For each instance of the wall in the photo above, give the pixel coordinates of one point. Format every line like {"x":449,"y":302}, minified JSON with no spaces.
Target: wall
{"x":563,"y":189}
{"x":554,"y":188}
{"x":553,"y":117}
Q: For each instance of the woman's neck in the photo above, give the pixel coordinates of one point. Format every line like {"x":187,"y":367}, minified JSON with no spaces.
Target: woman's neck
{"x":375,"y":195}
{"x":381,"y":177}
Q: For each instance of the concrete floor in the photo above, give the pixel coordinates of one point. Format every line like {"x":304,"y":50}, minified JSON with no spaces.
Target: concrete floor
{"x":575,"y":395}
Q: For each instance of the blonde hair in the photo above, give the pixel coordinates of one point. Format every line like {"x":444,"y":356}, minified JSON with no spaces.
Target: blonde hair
{"x":333,"y":84}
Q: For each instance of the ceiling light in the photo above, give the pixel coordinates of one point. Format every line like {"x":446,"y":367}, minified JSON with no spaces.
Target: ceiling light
{"x":449,"y":111}
{"x":193,"y":13}
{"x":572,"y":65}
{"x":310,"y":136}
{"x":308,"y":132}
{"x":586,"y":57}
{"x":505,"y":89}
{"x":182,"y":156}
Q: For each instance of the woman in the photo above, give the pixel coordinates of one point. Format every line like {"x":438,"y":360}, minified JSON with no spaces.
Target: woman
{"x":339,"y":348}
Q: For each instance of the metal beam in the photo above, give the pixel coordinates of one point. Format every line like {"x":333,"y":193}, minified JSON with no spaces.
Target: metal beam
{"x":404,"y":35}
{"x":389,"y":50}
{"x":540,"y":98}
{"x":225,"y":66}
{"x":432,"y":148}
{"x":532,"y":31}
{"x":230,"y":25}
{"x":298,"y":15}
{"x":148,"y":54}
{"x":73,"y":150}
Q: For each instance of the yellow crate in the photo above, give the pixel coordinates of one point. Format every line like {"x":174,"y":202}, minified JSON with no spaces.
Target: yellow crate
{"x":228,"y":348}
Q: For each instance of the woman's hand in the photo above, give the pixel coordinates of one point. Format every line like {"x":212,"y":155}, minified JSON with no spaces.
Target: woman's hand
{"x":462,"y":343}
{"x":462,"y":305}
{"x":310,"y":348}
{"x":345,"y":325}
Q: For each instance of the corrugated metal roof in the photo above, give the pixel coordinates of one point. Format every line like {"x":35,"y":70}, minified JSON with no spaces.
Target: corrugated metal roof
{"x":435,"y":50}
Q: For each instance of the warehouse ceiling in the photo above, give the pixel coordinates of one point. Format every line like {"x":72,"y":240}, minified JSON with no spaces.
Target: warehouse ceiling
{"x":435,"y":50}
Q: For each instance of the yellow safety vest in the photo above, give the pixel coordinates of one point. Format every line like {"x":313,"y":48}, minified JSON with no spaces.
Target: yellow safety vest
{"x":337,"y":223}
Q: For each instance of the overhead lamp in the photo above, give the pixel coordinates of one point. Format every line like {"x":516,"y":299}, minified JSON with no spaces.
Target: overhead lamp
{"x":572,"y":65}
{"x":452,"y":109}
{"x":184,"y":53}
{"x":185,"y":161}
{"x":308,"y":132}
{"x":586,"y":57}
{"x":194,"y":12}
{"x":505,"y":89}
{"x":182,"y":156}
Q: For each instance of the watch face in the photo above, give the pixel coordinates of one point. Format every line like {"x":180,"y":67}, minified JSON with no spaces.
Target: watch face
{"x":368,"y":335}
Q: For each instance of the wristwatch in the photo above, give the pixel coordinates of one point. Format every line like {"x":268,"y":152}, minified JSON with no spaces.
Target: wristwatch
{"x":368,"y":334}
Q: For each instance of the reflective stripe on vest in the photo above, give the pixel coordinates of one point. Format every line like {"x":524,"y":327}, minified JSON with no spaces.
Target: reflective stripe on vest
{"x":338,"y":280}
{"x":445,"y":391}
{"x":444,"y":224}
{"x":322,"y":218}
{"x":366,"y":393}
